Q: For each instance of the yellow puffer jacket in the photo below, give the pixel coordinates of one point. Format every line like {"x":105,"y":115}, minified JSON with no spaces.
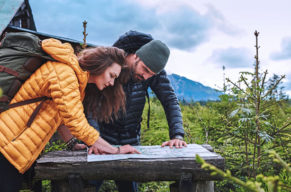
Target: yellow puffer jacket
{"x":63,"y":81}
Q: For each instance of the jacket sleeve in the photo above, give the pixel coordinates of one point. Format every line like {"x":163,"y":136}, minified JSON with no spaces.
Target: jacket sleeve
{"x":160,"y":84}
{"x":64,"y":90}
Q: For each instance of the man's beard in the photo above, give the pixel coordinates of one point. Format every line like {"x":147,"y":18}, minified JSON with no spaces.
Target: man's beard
{"x":136,"y":77}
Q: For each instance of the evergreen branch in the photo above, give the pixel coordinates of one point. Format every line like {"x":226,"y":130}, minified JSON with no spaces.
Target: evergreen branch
{"x":281,"y":129}
{"x":267,"y":105}
{"x":286,"y":187}
{"x":274,"y":86}
{"x":84,"y":34}
{"x":272,"y":182}
{"x":244,"y":80}
{"x":278,"y":159}
{"x":227,"y":79}
{"x":251,"y":186}
{"x":242,"y":138}
{"x":264,"y":78}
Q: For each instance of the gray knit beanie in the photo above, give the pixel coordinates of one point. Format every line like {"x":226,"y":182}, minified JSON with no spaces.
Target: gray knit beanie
{"x":154,"y":54}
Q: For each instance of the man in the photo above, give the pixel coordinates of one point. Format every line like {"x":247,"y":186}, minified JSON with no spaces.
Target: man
{"x":146,"y":72}
{"x":146,"y":59}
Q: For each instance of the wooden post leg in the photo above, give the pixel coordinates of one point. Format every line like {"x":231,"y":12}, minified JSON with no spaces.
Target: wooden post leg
{"x":60,"y":186}
{"x":74,"y":183}
{"x":198,"y":186}
{"x":174,"y":187}
{"x":184,"y":185}
{"x":204,"y":186}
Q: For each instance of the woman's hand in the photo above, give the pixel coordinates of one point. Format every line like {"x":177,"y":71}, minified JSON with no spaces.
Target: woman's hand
{"x":79,"y":146}
{"x":128,"y":149}
{"x":103,"y":147}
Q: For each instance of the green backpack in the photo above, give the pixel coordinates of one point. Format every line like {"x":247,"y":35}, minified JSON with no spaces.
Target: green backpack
{"x":20,"y":55}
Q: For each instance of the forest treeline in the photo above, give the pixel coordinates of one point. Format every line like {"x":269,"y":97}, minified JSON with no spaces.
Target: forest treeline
{"x":229,"y":126}
{"x":251,"y":120}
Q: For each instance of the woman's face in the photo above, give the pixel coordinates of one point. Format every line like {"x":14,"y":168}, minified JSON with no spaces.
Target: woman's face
{"x":107,"y":78}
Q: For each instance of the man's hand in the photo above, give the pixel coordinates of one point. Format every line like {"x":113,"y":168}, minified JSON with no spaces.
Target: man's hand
{"x":175,"y":142}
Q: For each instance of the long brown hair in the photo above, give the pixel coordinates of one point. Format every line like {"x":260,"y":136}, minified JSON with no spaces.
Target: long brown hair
{"x":104,"y":105}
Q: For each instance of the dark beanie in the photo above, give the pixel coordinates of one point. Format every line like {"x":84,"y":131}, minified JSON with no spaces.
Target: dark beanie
{"x":131,"y":41}
{"x":154,"y":54}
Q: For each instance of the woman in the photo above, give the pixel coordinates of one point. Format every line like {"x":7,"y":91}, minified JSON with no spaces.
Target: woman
{"x":64,"y":81}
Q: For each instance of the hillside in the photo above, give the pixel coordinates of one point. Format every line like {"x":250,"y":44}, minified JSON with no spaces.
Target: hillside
{"x":191,"y":90}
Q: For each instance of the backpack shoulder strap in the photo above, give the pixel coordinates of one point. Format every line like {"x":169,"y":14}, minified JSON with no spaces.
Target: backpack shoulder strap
{"x":26,"y":102}
{"x":149,"y":110}
{"x":8,"y":70}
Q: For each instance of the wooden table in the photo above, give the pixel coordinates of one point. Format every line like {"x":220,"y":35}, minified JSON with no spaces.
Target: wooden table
{"x":70,"y":168}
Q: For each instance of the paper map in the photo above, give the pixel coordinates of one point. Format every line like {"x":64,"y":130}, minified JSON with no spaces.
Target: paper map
{"x":156,"y":152}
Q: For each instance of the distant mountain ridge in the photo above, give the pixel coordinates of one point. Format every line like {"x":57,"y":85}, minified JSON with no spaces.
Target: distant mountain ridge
{"x":189,"y":90}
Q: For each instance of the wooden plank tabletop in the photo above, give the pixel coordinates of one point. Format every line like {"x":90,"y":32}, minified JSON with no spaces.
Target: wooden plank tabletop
{"x":154,"y":164}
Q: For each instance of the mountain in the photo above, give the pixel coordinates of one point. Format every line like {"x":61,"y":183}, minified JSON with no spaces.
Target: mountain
{"x":191,"y":90}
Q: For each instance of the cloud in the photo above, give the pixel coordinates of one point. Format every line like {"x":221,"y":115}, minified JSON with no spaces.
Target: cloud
{"x":221,"y":23}
{"x":233,"y":57}
{"x":183,"y":28}
{"x":107,"y":19}
{"x":285,"y":53}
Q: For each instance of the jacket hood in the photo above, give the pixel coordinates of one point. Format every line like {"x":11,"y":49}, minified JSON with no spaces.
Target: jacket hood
{"x":64,"y":53}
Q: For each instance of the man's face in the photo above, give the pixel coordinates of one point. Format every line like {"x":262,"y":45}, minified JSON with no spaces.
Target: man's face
{"x":140,"y":71}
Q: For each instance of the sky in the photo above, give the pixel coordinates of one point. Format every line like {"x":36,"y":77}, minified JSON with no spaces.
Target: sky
{"x":203,"y":35}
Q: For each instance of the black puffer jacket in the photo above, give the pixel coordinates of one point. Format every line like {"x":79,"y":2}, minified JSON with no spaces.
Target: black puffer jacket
{"x":126,"y":130}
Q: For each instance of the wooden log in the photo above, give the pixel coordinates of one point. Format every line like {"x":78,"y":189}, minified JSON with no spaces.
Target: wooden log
{"x":208,"y":147}
{"x":58,"y":165}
